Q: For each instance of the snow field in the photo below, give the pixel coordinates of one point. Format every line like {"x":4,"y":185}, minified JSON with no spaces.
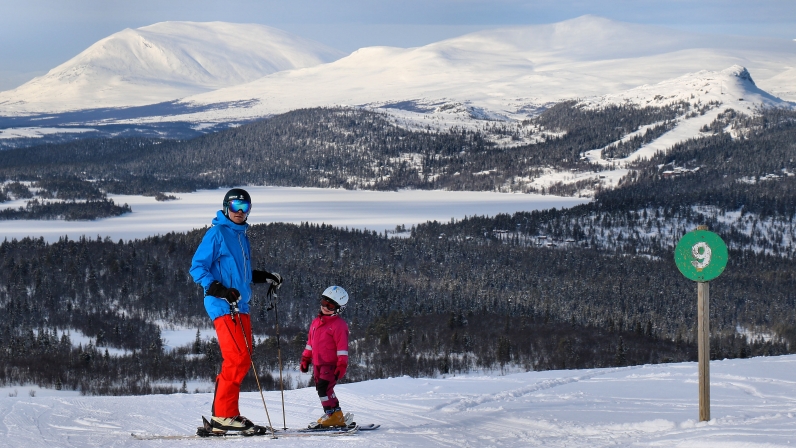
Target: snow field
{"x":753,"y":405}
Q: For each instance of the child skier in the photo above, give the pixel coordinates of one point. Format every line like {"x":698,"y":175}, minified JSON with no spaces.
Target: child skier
{"x":327,"y":350}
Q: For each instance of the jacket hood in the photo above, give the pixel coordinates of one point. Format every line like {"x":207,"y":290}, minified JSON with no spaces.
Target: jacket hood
{"x":222,"y":220}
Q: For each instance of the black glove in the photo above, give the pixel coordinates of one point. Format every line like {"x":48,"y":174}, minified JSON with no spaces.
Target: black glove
{"x":216,"y":289}
{"x":264,"y":276}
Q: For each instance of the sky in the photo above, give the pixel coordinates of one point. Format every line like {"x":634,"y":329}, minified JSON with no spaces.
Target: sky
{"x":37,"y":35}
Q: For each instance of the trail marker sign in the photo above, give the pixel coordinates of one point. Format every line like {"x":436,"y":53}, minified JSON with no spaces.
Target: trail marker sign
{"x":701,"y":255}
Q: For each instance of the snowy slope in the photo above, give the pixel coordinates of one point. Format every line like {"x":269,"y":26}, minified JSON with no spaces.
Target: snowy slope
{"x":732,"y":88}
{"x":753,"y":404}
{"x":508,"y":72}
{"x":715,"y":92}
{"x":162,"y":62}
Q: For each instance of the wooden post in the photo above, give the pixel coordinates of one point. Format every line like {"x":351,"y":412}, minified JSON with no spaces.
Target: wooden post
{"x":703,"y":338}
{"x":701,"y":256}
{"x":703,"y":352}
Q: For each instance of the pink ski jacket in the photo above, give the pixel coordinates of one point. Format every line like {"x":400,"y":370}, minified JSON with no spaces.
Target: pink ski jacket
{"x":327,"y":342}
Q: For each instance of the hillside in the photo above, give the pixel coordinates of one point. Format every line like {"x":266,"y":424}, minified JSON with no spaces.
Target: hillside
{"x":448,"y":298}
{"x":554,"y":272}
{"x":348,"y":148}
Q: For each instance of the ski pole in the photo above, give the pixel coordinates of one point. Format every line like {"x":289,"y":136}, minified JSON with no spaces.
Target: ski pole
{"x":272,"y":295}
{"x":233,"y":309}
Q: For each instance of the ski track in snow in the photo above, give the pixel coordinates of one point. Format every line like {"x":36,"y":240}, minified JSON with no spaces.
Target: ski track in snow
{"x":753,"y":404}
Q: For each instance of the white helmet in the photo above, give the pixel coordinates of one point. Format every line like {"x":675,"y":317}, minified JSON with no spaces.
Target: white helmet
{"x":337,"y":295}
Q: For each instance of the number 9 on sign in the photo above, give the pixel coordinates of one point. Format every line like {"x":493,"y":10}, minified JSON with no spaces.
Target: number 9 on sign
{"x":701,"y":255}
{"x":701,"y":252}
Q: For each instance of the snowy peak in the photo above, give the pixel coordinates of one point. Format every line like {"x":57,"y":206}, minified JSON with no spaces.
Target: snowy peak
{"x":166,"y":61}
{"x":509,"y":72}
{"x":709,"y":94}
{"x":732,"y":87}
{"x":739,"y":72}
{"x":226,"y":73}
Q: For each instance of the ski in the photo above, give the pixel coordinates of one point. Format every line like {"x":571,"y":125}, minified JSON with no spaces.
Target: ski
{"x":353,"y":428}
{"x":205,"y":432}
{"x":345,"y":431}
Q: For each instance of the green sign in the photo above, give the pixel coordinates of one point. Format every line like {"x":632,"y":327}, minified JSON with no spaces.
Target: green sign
{"x":701,"y":255}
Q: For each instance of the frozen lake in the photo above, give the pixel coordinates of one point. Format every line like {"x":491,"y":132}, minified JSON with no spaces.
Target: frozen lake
{"x":373,"y":210}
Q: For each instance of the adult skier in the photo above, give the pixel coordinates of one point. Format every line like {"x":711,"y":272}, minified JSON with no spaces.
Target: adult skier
{"x":222,"y":267}
{"x":327,"y":350}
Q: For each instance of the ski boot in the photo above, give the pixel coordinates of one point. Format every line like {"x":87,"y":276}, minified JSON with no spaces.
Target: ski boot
{"x":240,"y":426}
{"x":330,"y":419}
{"x":220,"y":425}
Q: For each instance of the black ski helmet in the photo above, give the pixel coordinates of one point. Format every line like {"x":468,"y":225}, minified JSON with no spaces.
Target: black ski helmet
{"x":235,"y":193}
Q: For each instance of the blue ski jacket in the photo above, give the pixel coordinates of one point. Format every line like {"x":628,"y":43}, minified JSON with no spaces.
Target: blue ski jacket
{"x":224,"y":255}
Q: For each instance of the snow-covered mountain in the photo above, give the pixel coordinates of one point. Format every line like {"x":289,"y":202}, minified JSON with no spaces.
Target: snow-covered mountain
{"x":163,"y":62}
{"x":508,"y":72}
{"x":752,"y":404}
{"x":711,"y":93}
{"x":731,"y":88}
{"x":504,"y":74}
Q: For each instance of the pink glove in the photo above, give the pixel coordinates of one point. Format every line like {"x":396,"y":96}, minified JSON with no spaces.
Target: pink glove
{"x":305,"y":364}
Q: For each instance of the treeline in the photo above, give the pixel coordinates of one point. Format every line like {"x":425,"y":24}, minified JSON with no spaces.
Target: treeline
{"x":421,"y":305}
{"x":69,"y":210}
{"x":346,"y":148}
{"x":352,"y":148}
{"x":54,"y":362}
{"x":586,"y":128}
{"x":624,"y":148}
{"x":752,"y":172}
{"x":68,"y":198}
{"x":591,"y":286}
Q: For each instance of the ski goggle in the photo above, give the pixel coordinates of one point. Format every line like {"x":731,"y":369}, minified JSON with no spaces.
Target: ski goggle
{"x":239,"y":205}
{"x":331,"y":306}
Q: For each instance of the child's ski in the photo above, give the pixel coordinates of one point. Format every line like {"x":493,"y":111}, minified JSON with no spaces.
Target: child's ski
{"x":349,"y":420}
{"x":353,"y":428}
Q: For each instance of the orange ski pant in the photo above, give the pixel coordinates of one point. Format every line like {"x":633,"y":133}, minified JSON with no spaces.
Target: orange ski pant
{"x":235,"y":365}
